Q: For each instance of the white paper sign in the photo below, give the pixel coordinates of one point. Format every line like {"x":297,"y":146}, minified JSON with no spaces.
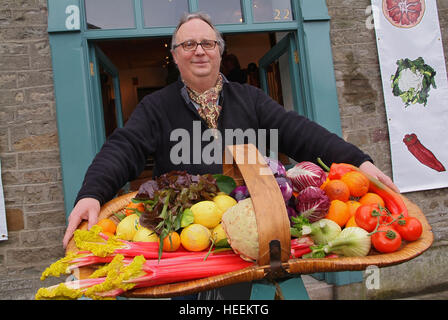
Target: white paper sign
{"x":3,"y":226}
{"x":415,"y":90}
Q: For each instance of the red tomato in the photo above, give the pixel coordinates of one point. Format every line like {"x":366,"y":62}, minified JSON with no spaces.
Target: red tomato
{"x":386,"y":239}
{"x":367,"y":215}
{"x":409,"y":228}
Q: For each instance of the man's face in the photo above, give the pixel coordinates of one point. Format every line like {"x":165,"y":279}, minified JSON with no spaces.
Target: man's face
{"x":198,"y":64}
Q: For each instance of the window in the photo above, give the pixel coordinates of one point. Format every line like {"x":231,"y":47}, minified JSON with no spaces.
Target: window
{"x":272,"y":10}
{"x":222,"y":12}
{"x":160,"y":13}
{"x":110,"y":14}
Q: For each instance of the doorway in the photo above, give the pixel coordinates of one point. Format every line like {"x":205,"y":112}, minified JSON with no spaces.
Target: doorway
{"x":145,"y":65}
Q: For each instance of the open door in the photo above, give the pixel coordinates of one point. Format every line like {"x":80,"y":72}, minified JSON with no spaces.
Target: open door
{"x":279,"y":78}
{"x":279,"y":74}
{"x":106,"y":86}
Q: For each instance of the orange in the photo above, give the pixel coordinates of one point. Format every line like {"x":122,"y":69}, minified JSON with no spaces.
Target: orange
{"x":357,"y":183}
{"x":107,"y":225}
{"x":371,"y":197}
{"x":338,"y":212}
{"x":351,"y":222}
{"x":352,"y":206}
{"x":171,"y":242}
{"x":134,"y":207}
{"x":109,"y":234}
{"x":322,"y":186}
{"x":337,"y":190}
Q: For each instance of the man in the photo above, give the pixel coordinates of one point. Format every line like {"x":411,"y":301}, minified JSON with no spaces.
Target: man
{"x":201,"y":96}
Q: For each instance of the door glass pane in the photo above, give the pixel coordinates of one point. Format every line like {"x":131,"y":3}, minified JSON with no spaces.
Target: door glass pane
{"x":160,"y":13}
{"x":222,"y":12}
{"x":279,"y":82}
{"x":272,"y":10}
{"x":108,"y":99}
{"x":110,"y":14}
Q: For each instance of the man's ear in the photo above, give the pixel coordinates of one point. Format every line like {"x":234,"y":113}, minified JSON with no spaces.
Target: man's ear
{"x":173,"y":54}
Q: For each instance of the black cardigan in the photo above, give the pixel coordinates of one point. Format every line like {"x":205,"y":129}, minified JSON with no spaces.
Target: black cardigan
{"x":147,"y":132}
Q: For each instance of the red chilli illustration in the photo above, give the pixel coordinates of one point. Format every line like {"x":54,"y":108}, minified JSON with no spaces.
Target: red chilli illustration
{"x":422,"y":154}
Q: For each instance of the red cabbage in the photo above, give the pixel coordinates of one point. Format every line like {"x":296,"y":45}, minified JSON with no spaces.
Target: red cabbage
{"x":278,"y":169}
{"x":285,"y":187}
{"x":240,"y":193}
{"x":313,"y":203}
{"x":305,"y":174}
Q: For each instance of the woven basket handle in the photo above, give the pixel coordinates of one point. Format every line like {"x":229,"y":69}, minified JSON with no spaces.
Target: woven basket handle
{"x":246,"y":165}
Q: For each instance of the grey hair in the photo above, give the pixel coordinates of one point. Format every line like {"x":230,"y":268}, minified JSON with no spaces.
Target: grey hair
{"x":204,"y":17}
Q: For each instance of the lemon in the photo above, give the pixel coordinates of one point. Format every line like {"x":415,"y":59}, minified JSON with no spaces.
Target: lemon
{"x":206,"y":213}
{"x":127,"y":227}
{"x":218,"y":233}
{"x":224,"y":202}
{"x":145,"y":235}
{"x":195,"y":237}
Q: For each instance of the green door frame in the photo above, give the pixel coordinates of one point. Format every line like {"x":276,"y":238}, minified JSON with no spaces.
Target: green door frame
{"x":70,"y":42}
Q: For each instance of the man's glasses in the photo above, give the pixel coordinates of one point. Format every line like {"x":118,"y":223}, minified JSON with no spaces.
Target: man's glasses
{"x":191,"y":45}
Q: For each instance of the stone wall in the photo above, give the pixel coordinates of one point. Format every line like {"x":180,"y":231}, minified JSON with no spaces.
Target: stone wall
{"x":31,"y":170}
{"x":363,"y":118}
{"x":29,"y":151}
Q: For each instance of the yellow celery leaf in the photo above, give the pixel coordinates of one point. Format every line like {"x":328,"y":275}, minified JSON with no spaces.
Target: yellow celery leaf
{"x":59,"y":267}
{"x":60,"y":292}
{"x":91,"y":240}
{"x":117,"y":274}
{"x":116,"y":263}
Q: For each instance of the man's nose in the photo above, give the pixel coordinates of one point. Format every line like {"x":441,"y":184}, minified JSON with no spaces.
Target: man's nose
{"x":199,"y":50}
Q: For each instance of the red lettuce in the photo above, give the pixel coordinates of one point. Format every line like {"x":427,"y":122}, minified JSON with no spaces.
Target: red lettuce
{"x":313,"y":203}
{"x":305,"y":174}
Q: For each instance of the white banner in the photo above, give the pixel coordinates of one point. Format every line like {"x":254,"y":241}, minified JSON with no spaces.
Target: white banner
{"x":3,"y":226}
{"x":415,"y":90}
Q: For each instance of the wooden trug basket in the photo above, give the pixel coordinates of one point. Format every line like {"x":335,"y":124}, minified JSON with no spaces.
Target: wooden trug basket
{"x":274,"y":234}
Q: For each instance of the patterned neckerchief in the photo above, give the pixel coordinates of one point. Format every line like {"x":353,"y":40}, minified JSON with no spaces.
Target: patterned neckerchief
{"x":208,"y":103}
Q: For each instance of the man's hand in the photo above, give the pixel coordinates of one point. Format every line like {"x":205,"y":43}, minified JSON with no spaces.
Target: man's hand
{"x":85,"y":209}
{"x":369,"y":168}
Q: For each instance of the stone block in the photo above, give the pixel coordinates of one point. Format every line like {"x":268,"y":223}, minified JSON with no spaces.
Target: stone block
{"x":8,"y":80}
{"x":40,"y":55}
{"x":14,"y":219}
{"x":39,"y":94}
{"x":4,"y":139}
{"x":33,"y":143}
{"x":35,"y":159}
{"x":13,"y":195}
{"x":23,"y":34}
{"x":9,"y":160}
{"x":29,"y":16}
{"x":11,"y":97}
{"x":17,"y":177}
{"x":43,"y":237}
{"x":35,"y":255}
{"x":47,"y":219}
{"x":34,"y":112}
{"x":34,"y":78}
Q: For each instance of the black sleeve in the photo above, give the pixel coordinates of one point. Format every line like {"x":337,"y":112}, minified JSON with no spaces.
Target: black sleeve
{"x":122,"y":157}
{"x":302,"y":139}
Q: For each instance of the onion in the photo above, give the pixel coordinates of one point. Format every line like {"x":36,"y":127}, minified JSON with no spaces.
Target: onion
{"x":322,"y":231}
{"x":276,"y":166}
{"x":313,"y":203}
{"x":351,"y":242}
{"x":305,"y":174}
